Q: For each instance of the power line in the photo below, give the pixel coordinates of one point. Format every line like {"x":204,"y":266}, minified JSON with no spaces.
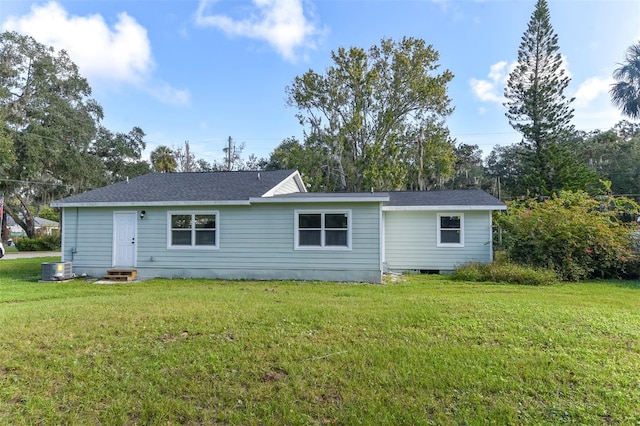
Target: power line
{"x":32,"y":182}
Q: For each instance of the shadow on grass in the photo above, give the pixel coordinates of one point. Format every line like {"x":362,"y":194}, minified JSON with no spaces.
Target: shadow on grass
{"x":635,"y":285}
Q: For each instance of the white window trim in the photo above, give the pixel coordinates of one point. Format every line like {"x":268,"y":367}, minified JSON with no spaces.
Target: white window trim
{"x":193,"y":246}
{"x":296,"y":233}
{"x":439,"y":233}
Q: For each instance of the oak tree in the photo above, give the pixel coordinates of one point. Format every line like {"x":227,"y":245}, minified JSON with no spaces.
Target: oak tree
{"x":372,"y":114}
{"x":49,"y":119}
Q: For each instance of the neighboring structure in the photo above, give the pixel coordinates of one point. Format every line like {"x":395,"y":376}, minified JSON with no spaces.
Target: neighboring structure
{"x":42,"y":226}
{"x":264,"y":225}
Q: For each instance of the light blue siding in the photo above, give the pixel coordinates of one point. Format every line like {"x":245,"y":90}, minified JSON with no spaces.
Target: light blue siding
{"x":255,"y":242}
{"x":410,"y":239}
{"x":88,"y":237}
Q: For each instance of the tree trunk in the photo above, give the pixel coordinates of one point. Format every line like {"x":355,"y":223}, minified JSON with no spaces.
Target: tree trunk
{"x":22,"y":217}
{"x":4,"y":234}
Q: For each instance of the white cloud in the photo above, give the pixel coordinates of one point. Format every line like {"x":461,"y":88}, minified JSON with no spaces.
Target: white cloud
{"x":491,"y":90}
{"x":591,"y":89}
{"x":167,"y":94}
{"x":485,"y":90}
{"x":121,"y":54}
{"x":592,"y":106}
{"x":281,"y":23}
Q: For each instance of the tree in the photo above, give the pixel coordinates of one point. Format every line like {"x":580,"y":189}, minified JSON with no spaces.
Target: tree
{"x":253,"y":163}
{"x":625,"y":94}
{"x":615,"y":156}
{"x":7,"y":157}
{"x":233,"y":155}
{"x":627,"y":130}
{"x":370,"y":112}
{"x":204,"y":166}
{"x":185,"y":160}
{"x":120,"y":154}
{"x":309,"y":159}
{"x":469,"y":168}
{"x":505,"y":168}
{"x":163,"y":160}
{"x":50,"y":120}
{"x":538,"y":108}
{"x":431,"y":158}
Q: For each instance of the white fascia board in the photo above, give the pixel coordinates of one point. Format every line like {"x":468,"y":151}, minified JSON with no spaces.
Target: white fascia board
{"x":295,"y":176}
{"x":328,"y":199}
{"x":154,"y":203}
{"x":441,"y":208}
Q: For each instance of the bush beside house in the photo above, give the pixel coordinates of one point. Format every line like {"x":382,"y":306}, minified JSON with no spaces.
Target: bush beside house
{"x":577,"y":236}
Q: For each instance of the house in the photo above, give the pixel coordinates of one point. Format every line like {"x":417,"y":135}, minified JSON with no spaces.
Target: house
{"x":42,"y":226}
{"x":265,"y":225}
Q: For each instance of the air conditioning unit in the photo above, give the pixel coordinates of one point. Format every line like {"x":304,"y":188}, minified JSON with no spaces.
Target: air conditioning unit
{"x":56,"y":271}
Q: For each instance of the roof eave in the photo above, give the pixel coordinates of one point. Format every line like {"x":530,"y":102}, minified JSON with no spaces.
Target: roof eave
{"x":329,"y":199}
{"x":153,"y":203}
{"x":443,"y":207}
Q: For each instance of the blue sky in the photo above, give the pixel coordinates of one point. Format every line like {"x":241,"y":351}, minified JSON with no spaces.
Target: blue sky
{"x":205,"y":70}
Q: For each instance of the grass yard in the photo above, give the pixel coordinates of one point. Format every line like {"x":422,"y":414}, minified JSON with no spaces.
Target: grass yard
{"x":424,"y":350}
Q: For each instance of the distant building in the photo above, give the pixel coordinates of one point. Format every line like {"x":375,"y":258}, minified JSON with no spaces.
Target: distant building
{"x":43,"y":227}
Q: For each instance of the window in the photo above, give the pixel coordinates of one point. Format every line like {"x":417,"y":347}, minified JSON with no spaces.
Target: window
{"x":190,"y":230}
{"x":322,"y":230}
{"x":450,"y":230}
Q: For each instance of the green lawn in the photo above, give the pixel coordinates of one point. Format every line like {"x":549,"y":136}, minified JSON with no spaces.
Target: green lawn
{"x":424,"y":350}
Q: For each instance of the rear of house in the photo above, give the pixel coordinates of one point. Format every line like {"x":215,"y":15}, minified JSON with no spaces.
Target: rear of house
{"x":264,"y":225}
{"x":282,"y":232}
{"x":259,"y":241}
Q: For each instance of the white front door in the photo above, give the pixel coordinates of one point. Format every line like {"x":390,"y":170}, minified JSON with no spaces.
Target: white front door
{"x":124,"y":239}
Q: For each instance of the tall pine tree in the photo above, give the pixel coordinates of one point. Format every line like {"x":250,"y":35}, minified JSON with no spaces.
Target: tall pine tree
{"x":537,"y":108}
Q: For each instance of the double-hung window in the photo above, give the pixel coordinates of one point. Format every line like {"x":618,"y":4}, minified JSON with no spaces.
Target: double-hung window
{"x":450,"y":230}
{"x":322,"y":229}
{"x":193,"y":230}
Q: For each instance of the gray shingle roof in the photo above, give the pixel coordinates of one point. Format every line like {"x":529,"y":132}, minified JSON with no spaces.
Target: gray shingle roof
{"x":459,"y":197}
{"x":462,"y":198}
{"x":184,"y":187}
{"x":176,"y":188}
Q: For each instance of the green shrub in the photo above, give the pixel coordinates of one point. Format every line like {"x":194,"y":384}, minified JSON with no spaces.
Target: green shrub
{"x":48,"y":243}
{"x":577,"y":236}
{"x":504,"y":272}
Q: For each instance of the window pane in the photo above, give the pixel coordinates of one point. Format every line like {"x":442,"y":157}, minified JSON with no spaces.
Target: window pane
{"x":181,"y":221}
{"x":205,"y":238}
{"x":335,"y":220}
{"x":206,"y":221}
{"x":309,"y":238}
{"x":310,"y":221}
{"x":450,"y":237}
{"x":336,"y":238}
{"x":450,"y":222}
{"x":180,"y":238}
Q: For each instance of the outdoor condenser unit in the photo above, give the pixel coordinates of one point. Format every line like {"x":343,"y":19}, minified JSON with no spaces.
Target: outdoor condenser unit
{"x":56,"y":271}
